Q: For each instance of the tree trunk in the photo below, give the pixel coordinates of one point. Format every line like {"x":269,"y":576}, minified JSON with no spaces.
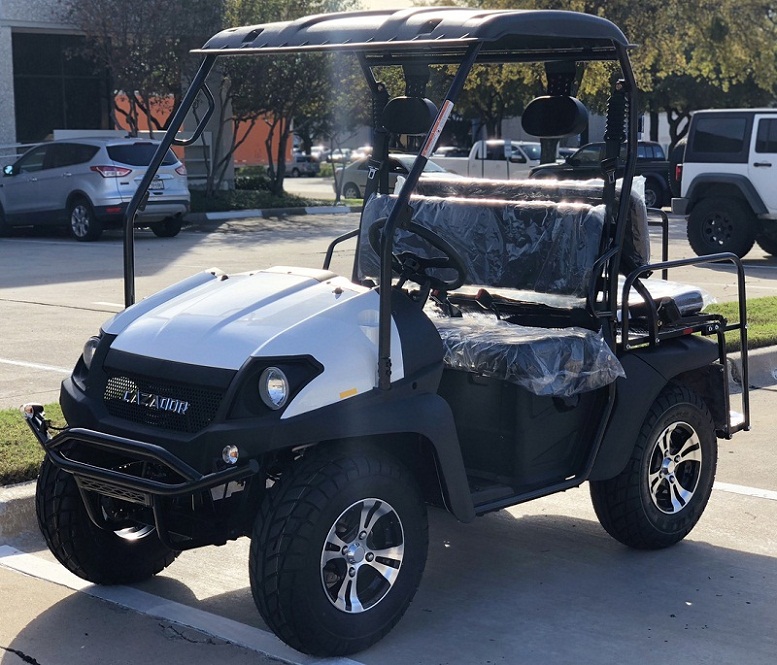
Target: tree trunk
{"x":654,"y":126}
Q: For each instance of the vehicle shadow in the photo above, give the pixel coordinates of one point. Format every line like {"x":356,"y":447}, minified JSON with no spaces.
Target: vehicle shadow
{"x":542,"y":588}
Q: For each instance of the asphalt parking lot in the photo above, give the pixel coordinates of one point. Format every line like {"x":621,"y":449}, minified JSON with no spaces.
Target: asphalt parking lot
{"x":541,"y":582}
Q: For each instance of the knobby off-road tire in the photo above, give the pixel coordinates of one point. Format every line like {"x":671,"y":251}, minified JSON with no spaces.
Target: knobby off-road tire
{"x":660,"y":495}
{"x":338,"y":550}
{"x":102,"y":557}
{"x":721,"y":225}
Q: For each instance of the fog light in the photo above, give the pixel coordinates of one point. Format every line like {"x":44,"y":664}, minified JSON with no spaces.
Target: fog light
{"x":230,"y":454}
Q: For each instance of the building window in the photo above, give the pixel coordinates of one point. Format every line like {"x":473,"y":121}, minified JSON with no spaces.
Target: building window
{"x":55,"y":87}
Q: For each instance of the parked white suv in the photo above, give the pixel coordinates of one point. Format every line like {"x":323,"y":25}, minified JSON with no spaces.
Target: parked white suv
{"x":86,"y":184}
{"x":728,"y":181}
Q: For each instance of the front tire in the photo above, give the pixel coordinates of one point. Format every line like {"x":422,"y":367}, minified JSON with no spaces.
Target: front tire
{"x":103,"y":557}
{"x":82,"y":222}
{"x":338,"y":550}
{"x":721,"y":225}
{"x":661,"y":494}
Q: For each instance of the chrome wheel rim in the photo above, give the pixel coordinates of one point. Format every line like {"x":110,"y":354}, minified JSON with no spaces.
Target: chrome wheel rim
{"x":79,"y":220}
{"x":650,"y":198}
{"x":362,"y":555}
{"x":675,"y":468}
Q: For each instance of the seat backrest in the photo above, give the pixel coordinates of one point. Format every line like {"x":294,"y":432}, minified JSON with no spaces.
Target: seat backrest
{"x":542,"y":246}
{"x":636,"y":244}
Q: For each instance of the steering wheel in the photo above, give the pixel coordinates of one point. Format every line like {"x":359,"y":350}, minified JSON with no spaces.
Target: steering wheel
{"x":411,"y":266}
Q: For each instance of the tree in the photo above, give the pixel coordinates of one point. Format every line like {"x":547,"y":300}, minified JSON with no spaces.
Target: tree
{"x":281,"y":88}
{"x":144,"y":46}
{"x":690,"y":55}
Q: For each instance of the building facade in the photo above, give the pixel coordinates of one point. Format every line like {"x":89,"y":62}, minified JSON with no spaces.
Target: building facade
{"x":45,"y":83}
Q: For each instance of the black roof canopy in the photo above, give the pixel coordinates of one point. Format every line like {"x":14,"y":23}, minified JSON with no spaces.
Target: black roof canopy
{"x":431,"y":33}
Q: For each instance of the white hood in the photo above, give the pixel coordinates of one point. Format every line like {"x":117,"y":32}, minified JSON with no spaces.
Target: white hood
{"x":222,"y":321}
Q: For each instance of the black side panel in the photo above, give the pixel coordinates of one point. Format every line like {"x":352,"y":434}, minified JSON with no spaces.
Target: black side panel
{"x":513,"y":437}
{"x":421,"y":343}
{"x":647,"y":373}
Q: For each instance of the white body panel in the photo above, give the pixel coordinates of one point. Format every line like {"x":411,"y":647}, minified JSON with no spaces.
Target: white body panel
{"x":762,"y":166}
{"x":214,"y":321}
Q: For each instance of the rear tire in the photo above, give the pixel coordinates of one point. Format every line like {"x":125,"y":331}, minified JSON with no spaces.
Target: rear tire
{"x":82,"y":222}
{"x":654,"y":193}
{"x":94,"y":554}
{"x":167,"y":228}
{"x":767,"y":240}
{"x":338,"y":550}
{"x":721,"y":225}
{"x":661,"y":494}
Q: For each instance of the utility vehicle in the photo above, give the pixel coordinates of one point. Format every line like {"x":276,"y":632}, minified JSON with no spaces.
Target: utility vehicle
{"x":497,"y":341}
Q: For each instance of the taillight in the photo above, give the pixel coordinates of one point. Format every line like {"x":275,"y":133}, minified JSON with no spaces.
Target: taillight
{"x":181,"y":170}
{"x":678,"y":172}
{"x":111,"y":171}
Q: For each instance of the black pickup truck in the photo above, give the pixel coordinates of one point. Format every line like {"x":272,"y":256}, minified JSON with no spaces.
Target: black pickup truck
{"x":586,"y":163}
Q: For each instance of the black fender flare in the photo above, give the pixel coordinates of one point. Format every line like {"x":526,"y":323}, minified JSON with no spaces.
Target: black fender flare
{"x":741,"y":182}
{"x":648,"y":371}
{"x":379,"y":414}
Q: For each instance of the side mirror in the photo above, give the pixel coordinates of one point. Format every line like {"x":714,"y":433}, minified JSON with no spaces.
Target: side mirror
{"x":517,"y":158}
{"x":8,"y":170}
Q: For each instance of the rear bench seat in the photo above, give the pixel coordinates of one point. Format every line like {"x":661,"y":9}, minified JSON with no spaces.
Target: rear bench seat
{"x":544,"y":247}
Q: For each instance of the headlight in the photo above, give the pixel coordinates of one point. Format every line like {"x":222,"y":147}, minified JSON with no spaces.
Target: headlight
{"x":274,"y":388}
{"x":89,"y":350}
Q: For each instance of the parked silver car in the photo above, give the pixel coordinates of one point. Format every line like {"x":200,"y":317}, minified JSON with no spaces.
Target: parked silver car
{"x":86,"y":184}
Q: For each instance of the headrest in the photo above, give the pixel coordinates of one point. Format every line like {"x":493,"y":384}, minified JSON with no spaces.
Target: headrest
{"x":554,"y":117}
{"x":409,"y":115}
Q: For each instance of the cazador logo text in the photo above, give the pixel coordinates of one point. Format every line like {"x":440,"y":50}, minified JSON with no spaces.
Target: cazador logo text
{"x":156,"y":402}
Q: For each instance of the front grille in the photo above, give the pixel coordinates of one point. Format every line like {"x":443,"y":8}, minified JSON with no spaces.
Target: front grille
{"x":182,"y":408}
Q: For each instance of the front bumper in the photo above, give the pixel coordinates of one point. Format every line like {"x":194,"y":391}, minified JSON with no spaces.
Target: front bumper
{"x":120,"y":484}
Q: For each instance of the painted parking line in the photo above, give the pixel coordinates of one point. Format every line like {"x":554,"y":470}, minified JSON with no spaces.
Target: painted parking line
{"x":746,"y":491}
{"x":29,"y":365}
{"x":140,"y":601}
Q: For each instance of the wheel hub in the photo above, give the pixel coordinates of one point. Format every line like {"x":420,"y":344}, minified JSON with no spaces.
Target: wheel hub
{"x":354,"y":553}
{"x":675,"y":468}
{"x":362,"y":555}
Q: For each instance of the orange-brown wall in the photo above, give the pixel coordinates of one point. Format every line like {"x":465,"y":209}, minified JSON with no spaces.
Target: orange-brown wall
{"x":251,"y":153}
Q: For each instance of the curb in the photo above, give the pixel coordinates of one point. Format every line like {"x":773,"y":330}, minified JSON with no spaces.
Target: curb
{"x":761,"y":364}
{"x":17,"y":509}
{"x":203,"y":218}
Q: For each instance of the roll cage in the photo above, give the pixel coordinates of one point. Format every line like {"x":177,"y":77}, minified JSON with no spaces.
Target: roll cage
{"x":414,"y":39}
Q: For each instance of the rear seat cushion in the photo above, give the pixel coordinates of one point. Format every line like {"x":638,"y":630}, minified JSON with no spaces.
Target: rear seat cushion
{"x":553,"y":361}
{"x":541,"y":246}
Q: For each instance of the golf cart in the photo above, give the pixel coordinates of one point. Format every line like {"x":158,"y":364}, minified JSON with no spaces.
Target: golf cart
{"x":496,"y":342}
